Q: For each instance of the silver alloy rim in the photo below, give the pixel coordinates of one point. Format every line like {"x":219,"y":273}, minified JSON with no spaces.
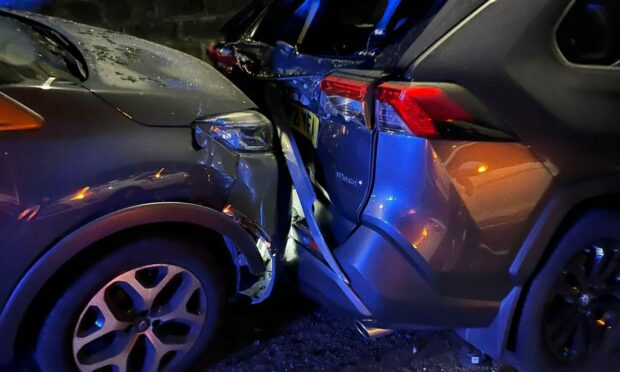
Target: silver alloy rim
{"x":146,"y":319}
{"x":582,"y":314}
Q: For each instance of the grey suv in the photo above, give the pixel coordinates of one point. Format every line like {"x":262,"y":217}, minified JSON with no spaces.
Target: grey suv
{"x":137,"y":195}
{"x":457,"y":164}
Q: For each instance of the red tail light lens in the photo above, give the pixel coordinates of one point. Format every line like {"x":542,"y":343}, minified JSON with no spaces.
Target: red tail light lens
{"x":15,"y":116}
{"x":222,"y":57}
{"x":348,"y":88}
{"x":421,"y":110}
{"x":415,"y":109}
{"x":345,"y":98}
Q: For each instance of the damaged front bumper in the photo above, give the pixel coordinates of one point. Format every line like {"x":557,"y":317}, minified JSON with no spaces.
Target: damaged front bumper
{"x":256,"y":287}
{"x":256,"y":204}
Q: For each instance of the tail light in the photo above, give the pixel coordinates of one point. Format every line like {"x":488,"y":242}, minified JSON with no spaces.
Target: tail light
{"x":415,"y":109}
{"x":345,"y":98}
{"x":222,"y":57}
{"x":15,"y":116}
{"x":422,"y":110}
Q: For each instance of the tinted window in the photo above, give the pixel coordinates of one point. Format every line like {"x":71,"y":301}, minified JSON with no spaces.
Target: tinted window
{"x":282,"y":21}
{"x":31,"y":52}
{"x":339,"y":27}
{"x":590,"y":33}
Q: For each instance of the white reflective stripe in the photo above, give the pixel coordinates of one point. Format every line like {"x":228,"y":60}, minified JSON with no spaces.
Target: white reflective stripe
{"x":314,"y":7}
{"x":48,"y":83}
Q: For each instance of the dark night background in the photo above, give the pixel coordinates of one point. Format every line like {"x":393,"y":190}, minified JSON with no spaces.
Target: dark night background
{"x":187,"y":25}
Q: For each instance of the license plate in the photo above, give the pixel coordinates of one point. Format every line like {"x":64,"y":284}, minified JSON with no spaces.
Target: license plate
{"x":305,"y":122}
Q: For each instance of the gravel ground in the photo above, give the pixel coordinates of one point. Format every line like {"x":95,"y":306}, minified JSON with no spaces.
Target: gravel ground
{"x":290,"y":332}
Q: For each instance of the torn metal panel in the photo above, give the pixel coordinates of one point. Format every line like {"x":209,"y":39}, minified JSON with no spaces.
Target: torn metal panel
{"x":305,"y":192}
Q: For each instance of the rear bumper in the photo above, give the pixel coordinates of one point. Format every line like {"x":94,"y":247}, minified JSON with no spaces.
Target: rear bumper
{"x":395,"y":289}
{"x":317,"y":281}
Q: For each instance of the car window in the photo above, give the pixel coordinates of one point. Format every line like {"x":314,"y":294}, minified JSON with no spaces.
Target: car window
{"x":590,"y":33}
{"x":339,"y":27}
{"x":31,"y":52}
{"x":282,"y":21}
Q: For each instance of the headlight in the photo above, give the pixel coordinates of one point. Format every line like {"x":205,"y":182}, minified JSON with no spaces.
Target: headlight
{"x":247,"y":131}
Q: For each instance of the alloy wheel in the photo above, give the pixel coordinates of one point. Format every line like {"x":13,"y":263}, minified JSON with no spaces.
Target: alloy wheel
{"x":582,"y":316}
{"x":144,"y":319}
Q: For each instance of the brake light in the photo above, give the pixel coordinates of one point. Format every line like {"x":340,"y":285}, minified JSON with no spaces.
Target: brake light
{"x":223,"y":57}
{"x":400,"y":107}
{"x":415,"y":109}
{"x":15,"y":116}
{"x":348,"y":88}
{"x":345,"y":98}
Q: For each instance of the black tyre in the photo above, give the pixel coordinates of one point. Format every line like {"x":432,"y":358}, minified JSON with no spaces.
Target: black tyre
{"x":149,"y":305}
{"x":571,"y":315}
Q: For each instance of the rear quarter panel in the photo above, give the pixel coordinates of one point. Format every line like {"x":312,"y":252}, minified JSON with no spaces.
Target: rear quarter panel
{"x":565,"y":115}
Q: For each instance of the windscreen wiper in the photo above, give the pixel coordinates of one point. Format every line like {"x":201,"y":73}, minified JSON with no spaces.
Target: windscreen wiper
{"x":68,"y":52}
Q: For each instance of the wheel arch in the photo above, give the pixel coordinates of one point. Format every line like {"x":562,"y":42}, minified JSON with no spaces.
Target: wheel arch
{"x":607,"y":198}
{"x":556,"y":217}
{"x":121,"y":222}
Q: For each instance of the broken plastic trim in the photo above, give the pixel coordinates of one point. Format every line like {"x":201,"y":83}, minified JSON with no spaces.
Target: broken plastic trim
{"x":305,"y":192}
{"x":261,"y":289}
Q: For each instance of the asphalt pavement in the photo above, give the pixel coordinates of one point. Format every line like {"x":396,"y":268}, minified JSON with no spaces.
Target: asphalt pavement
{"x":291,"y":333}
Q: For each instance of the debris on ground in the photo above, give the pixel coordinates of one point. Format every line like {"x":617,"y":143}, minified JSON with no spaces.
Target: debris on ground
{"x":290,"y":332}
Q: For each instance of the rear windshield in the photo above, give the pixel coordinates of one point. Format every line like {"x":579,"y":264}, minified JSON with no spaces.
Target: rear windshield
{"x":32,"y":52}
{"x":340,"y":27}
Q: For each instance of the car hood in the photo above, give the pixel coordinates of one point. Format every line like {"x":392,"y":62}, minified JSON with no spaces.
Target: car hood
{"x":152,"y":84}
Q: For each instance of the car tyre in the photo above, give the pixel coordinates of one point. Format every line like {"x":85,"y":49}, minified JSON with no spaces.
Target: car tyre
{"x":183,"y":285}
{"x":560,"y":304}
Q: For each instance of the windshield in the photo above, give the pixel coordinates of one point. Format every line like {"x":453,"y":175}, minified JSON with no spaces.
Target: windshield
{"x":339,"y":27}
{"x":29,"y":51}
